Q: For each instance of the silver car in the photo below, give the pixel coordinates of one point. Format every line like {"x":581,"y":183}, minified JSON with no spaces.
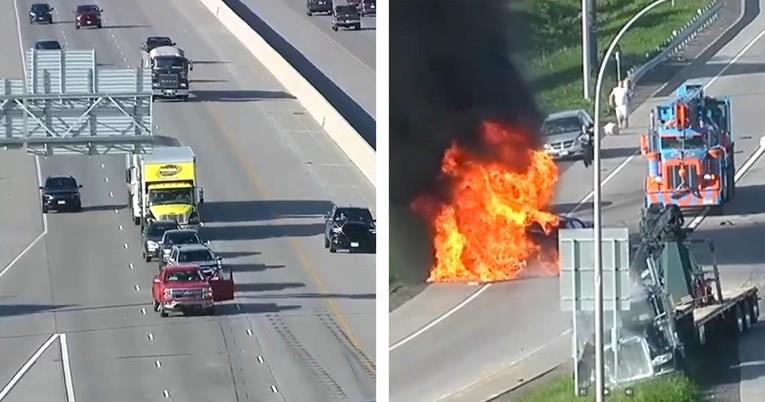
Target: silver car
{"x":561,"y":132}
{"x":195,"y":254}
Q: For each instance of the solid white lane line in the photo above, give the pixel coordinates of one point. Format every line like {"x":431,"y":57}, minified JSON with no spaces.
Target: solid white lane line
{"x":27,"y":365}
{"x":441,"y":318}
{"x":67,"y":368}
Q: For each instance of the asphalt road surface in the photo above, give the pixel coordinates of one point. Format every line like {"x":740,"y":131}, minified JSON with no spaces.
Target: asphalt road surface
{"x":345,"y":57}
{"x":302,"y":326}
{"x":510,"y":332}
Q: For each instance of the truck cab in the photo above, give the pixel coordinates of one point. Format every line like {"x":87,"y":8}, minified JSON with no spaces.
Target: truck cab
{"x":163,"y":186}
{"x":169,"y":70}
{"x":183,"y":288}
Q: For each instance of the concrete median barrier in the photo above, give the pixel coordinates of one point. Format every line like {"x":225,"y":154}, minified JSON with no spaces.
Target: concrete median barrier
{"x":347,"y":138}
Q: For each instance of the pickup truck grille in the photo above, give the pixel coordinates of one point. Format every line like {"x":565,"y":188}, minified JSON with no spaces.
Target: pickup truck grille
{"x":169,"y":81}
{"x":186,"y":293}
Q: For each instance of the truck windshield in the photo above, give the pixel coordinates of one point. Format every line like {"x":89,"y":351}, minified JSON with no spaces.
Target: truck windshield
{"x":174,"y":196}
{"x":169,"y":63}
{"x":677,"y":142}
{"x":184,"y":276}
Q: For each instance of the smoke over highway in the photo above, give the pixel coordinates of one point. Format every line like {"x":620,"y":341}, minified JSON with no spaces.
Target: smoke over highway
{"x":450,"y":70}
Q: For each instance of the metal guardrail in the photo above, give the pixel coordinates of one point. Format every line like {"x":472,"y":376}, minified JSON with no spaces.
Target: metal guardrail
{"x":676,"y":42}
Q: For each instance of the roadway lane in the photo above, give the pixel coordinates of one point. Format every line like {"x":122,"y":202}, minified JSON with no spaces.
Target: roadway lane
{"x":496,"y":345}
{"x":346,"y":57}
{"x":266,"y":227}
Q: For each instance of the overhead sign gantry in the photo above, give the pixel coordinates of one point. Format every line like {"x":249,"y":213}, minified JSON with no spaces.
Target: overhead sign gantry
{"x":68,"y":104}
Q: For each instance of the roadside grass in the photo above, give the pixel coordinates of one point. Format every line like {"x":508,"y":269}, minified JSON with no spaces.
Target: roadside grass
{"x":552,"y":61}
{"x":670,"y":388}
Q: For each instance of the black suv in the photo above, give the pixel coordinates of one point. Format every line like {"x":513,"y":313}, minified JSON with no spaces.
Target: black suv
{"x":152,"y":237}
{"x":41,"y":12}
{"x":48,"y":45}
{"x":346,"y":17}
{"x":318,"y":6}
{"x":61,"y":193}
{"x":350,"y":228}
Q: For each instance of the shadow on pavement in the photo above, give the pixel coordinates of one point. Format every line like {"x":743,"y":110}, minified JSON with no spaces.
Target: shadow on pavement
{"x":7,"y":310}
{"x":242,"y":211}
{"x":236,"y":254}
{"x":267,"y":287}
{"x":103,"y":207}
{"x":236,"y":95}
{"x":728,"y":240}
{"x":252,"y":267}
{"x":255,"y":232}
{"x":747,"y":200}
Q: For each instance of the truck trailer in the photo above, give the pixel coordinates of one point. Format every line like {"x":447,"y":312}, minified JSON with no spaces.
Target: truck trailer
{"x":163,"y":185}
{"x":678,"y":304}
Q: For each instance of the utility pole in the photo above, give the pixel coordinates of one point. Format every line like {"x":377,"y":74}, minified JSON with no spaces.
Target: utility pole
{"x":586,"y":58}
{"x":589,"y":44}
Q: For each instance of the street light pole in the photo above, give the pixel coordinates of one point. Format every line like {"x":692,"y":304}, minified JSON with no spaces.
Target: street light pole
{"x":586,"y":57}
{"x":598,"y":247}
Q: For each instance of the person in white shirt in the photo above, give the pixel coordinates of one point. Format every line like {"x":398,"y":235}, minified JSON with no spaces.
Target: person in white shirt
{"x":620,"y":98}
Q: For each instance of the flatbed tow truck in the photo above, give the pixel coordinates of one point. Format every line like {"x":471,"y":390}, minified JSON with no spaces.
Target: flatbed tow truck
{"x":677,"y":305}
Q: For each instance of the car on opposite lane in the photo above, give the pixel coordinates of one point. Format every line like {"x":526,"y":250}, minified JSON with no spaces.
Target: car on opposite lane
{"x":346,"y":16}
{"x":561,"y":133}
{"x":173,"y":237}
{"x":349,"y":228}
{"x":88,"y":15}
{"x":41,"y":12}
{"x":48,"y":45}
{"x":318,"y":7}
{"x":152,"y":236}
{"x":61,"y":193}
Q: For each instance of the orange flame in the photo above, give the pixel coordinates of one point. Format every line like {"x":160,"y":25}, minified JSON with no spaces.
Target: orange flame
{"x":480,"y":233}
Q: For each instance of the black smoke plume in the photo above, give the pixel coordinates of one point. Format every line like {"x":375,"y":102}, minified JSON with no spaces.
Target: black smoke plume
{"x":450,"y":69}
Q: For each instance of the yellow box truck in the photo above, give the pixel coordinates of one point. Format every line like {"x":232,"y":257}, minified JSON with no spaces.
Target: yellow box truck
{"x":163,"y":185}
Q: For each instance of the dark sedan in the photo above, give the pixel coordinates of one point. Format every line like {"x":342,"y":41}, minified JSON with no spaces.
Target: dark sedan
{"x":61,"y":193}
{"x":152,"y":237}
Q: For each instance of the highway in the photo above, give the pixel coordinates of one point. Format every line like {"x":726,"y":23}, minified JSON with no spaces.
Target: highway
{"x":504,"y":334}
{"x":347,"y":58}
{"x":302,"y":326}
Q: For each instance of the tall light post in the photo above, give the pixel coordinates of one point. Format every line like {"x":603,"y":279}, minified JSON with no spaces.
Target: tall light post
{"x":598,"y":247}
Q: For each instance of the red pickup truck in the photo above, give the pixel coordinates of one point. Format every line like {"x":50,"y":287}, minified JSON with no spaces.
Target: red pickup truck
{"x":185,"y":288}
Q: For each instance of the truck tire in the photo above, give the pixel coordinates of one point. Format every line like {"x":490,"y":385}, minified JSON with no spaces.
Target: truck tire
{"x":156,"y":305}
{"x":210,"y":311}
{"x":736,"y":320}
{"x":136,"y":220}
{"x":754,"y":305}
{"x":332,"y":248}
{"x":747,"y":312}
{"x":146,"y":256}
{"x":162,"y":312}
{"x":326,"y":242}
